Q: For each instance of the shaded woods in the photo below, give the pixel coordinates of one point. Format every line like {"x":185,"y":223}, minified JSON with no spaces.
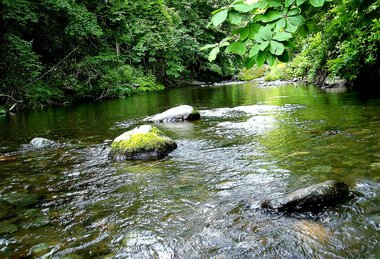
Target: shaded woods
{"x":59,"y":52}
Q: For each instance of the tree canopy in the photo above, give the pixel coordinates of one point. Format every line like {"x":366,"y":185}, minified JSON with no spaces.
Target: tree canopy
{"x":342,"y":36}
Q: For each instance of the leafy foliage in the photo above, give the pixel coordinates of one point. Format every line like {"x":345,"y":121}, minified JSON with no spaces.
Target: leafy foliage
{"x":61,"y":51}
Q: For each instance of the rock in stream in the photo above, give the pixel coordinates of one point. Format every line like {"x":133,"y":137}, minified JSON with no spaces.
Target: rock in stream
{"x":179,"y":113}
{"x":142,"y":143}
{"x":311,"y":199}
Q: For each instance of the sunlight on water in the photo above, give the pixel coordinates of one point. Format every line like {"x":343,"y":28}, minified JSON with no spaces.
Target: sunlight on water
{"x":203,"y":200}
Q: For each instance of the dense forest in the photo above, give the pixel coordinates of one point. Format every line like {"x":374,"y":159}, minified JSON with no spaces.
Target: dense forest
{"x":56,"y":52}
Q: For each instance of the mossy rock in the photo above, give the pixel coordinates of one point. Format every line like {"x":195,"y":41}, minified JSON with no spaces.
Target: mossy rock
{"x":179,"y":113}
{"x":142,"y":143}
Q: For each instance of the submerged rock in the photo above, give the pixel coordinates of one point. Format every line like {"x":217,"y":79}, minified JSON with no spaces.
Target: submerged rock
{"x":179,"y":113}
{"x":23,"y":200}
{"x":142,"y":143}
{"x":7,"y":210}
{"x":38,"y":143}
{"x":311,"y":199}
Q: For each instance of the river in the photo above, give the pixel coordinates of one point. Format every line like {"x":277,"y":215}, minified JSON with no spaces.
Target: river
{"x":202,"y":200}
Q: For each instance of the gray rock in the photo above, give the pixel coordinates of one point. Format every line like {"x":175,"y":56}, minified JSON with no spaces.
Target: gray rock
{"x":142,"y":143}
{"x":38,"y":143}
{"x":179,"y":113}
{"x":311,"y":199}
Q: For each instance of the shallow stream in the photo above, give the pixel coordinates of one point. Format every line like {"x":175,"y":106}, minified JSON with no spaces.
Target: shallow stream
{"x":203,"y":200}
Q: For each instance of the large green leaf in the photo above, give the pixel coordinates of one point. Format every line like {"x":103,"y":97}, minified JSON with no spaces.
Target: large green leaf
{"x":276,"y":48}
{"x":214,"y":52}
{"x":317,"y":3}
{"x":296,"y":20}
{"x":266,"y":33}
{"x":274,"y":3}
{"x":244,"y":8}
{"x":261,"y":57}
{"x":235,"y":17}
{"x":280,"y":24}
{"x":244,"y":33}
{"x":250,"y":62}
{"x":254,"y":50}
{"x":299,"y":2}
{"x":294,"y":11}
{"x":289,"y":3}
{"x":264,"y":45}
{"x":270,"y":16}
{"x":254,"y":30}
{"x":290,"y":27}
{"x":270,"y":59}
{"x":237,"y":47}
{"x":219,"y":18}
{"x":282,"y":36}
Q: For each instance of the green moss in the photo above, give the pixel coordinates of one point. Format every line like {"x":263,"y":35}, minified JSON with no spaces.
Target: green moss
{"x":153,"y":140}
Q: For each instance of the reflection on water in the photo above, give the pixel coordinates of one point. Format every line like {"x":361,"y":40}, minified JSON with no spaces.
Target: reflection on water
{"x":203,"y":200}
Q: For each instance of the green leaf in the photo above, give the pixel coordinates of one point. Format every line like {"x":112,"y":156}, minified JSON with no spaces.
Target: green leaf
{"x":264,"y":45}
{"x":289,"y":3}
{"x":270,"y":16}
{"x":276,"y":48}
{"x":299,"y":2}
{"x":208,"y":46}
{"x":284,"y":57}
{"x":250,"y":62}
{"x":261,"y":57}
{"x":280,"y":24}
{"x":290,"y":27}
{"x":219,"y":18}
{"x":244,"y":33}
{"x":317,"y":3}
{"x":282,"y":36}
{"x":235,"y":17}
{"x":214,"y":52}
{"x":274,"y":3}
{"x":296,"y":20}
{"x":266,"y":33}
{"x":270,"y":59}
{"x":254,"y":29}
{"x":237,"y":47}
{"x":254,"y":50}
{"x":293,"y":12}
{"x":243,"y":8}
{"x":223,"y":44}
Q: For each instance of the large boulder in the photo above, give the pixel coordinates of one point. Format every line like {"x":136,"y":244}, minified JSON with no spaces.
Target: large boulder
{"x":38,"y":143}
{"x":179,"y":113}
{"x":311,"y":199}
{"x":142,"y":143}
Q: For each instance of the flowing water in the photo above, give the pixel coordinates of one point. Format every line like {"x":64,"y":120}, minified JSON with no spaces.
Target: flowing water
{"x":203,"y":200}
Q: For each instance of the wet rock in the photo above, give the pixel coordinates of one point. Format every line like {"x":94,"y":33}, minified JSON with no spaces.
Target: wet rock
{"x":142,"y":143}
{"x":179,"y":113}
{"x":7,"y":228}
{"x":23,"y":200}
{"x":7,"y":210}
{"x":38,"y":143}
{"x":311,"y":199}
